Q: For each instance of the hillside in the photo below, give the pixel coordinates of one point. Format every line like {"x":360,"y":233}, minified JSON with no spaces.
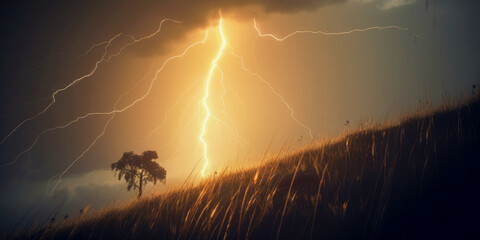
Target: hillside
{"x":418,"y":179}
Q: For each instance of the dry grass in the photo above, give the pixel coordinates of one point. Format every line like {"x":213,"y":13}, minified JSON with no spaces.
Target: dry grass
{"x":412,"y":180}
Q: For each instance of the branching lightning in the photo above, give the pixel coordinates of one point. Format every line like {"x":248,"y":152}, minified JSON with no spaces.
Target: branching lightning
{"x":125,"y":108}
{"x":134,"y":40}
{"x":92,"y":71}
{"x":281,"y":39}
{"x":65,"y":126}
{"x":204,"y":100}
{"x":53,"y":97}
{"x":60,"y":175}
{"x":292,"y":112}
{"x":113,"y":112}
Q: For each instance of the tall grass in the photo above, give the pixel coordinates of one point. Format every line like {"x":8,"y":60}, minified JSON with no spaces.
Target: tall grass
{"x":416,"y":179}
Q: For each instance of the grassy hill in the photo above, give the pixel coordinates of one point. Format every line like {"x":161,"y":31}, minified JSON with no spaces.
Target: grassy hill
{"x":417,"y":179}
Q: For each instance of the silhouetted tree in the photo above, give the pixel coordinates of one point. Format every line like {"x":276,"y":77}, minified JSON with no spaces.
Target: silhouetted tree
{"x":138,"y":170}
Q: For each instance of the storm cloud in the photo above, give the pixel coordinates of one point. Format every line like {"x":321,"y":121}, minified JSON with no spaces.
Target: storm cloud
{"x":78,"y":24}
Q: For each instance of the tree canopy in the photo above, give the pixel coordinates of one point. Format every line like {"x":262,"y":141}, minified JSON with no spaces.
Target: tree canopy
{"x":138,"y":170}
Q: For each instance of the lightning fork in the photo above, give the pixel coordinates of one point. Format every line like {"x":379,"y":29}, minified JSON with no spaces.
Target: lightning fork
{"x":281,"y":39}
{"x":94,"y":69}
{"x":66,"y":125}
{"x":134,"y":40}
{"x":116,"y":110}
{"x":204,"y":99}
{"x":143,"y":38}
{"x":60,"y":175}
{"x":61,"y":90}
{"x":292,"y":112}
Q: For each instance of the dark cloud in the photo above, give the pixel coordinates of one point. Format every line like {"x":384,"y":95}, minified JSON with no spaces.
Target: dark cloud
{"x":55,"y":24}
{"x":196,"y":14}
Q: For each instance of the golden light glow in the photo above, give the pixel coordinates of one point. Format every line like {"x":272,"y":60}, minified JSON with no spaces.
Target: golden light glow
{"x":205,"y":97}
{"x":205,"y":113}
{"x":290,"y":109}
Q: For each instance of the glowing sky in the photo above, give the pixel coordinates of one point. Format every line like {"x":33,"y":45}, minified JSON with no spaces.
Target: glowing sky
{"x":254,"y":84}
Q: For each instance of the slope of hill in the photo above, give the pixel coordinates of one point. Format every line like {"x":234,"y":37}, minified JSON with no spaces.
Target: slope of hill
{"x":418,"y":179}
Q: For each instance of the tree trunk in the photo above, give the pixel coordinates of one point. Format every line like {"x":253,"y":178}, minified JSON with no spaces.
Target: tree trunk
{"x":140,"y":185}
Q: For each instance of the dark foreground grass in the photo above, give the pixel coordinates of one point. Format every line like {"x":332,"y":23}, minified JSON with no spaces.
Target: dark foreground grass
{"x":415,"y":180}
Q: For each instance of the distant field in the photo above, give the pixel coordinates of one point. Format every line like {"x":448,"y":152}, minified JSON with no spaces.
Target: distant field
{"x":415,"y":180}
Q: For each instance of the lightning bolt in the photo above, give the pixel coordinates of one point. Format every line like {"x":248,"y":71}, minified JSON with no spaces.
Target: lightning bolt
{"x":205,"y":97}
{"x":53,"y":97}
{"x":292,"y":112}
{"x":202,"y":104}
{"x":115,"y":110}
{"x":134,"y":40}
{"x":143,"y":38}
{"x":92,"y":71}
{"x":281,"y":39}
{"x":64,"y":126}
{"x":60,"y":175}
